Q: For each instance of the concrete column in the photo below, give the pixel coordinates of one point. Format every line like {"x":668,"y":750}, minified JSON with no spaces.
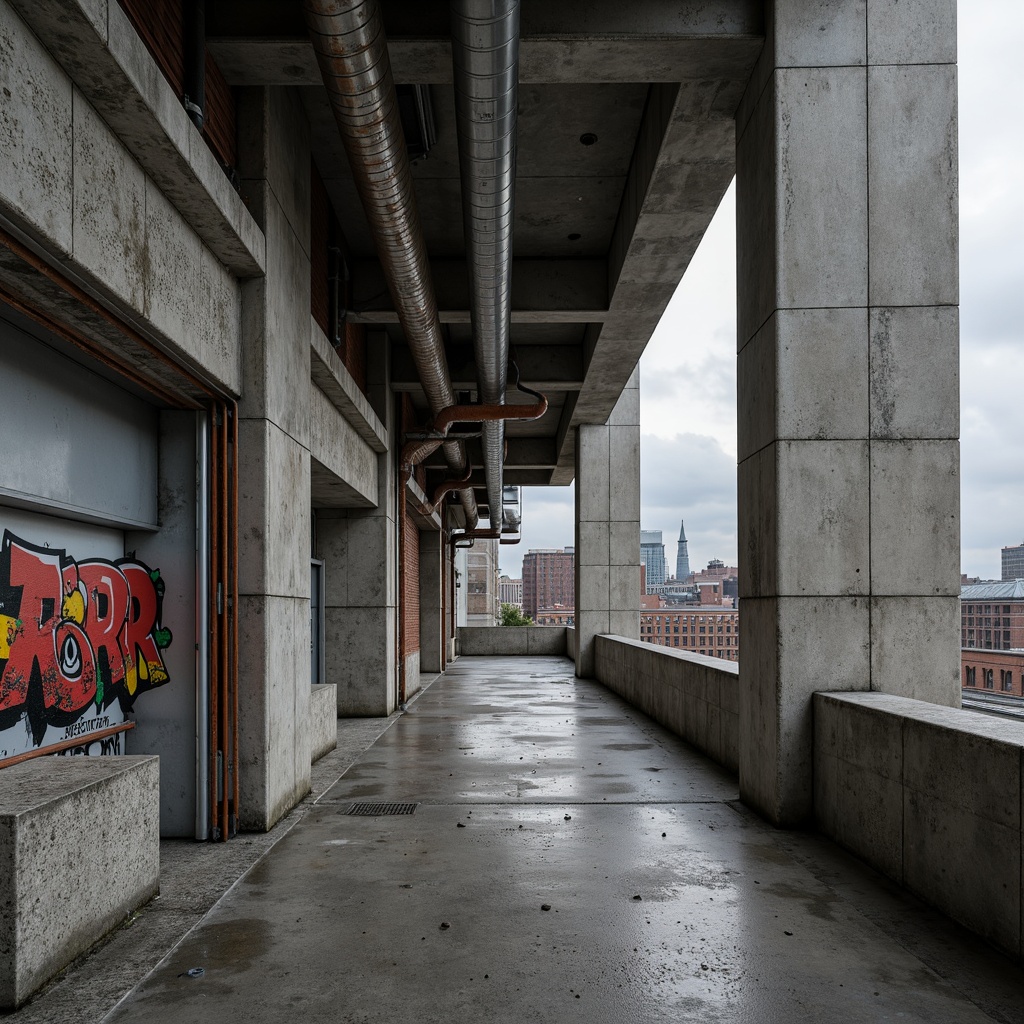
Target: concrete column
{"x":848,"y":374}
{"x":273,"y":465}
{"x":608,"y":527}
{"x":431,"y":582}
{"x":359,"y":548}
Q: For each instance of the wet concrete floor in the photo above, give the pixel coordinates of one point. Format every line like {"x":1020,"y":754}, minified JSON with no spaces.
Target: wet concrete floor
{"x":568,"y":860}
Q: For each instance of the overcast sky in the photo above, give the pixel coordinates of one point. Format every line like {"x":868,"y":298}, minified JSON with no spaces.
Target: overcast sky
{"x":688,"y":372}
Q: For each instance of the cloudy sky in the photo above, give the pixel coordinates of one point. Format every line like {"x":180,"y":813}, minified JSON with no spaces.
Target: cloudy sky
{"x":687,"y":374}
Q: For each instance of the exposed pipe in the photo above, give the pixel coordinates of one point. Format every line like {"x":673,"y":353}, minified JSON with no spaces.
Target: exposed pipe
{"x":416,"y":450}
{"x":485,"y":56}
{"x":351,"y":49}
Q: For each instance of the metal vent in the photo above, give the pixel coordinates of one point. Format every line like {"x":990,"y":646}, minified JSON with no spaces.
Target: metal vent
{"x":372,"y":810}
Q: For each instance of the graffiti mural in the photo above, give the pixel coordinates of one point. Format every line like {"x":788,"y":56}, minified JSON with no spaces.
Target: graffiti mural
{"x":79,"y":641}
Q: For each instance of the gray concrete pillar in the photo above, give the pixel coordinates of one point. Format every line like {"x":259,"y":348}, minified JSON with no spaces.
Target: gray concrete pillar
{"x":431,"y":583}
{"x":848,"y":374}
{"x":608,"y":527}
{"x":359,"y":548}
{"x":273,"y":466}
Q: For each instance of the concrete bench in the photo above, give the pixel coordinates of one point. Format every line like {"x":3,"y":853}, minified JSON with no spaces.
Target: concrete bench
{"x":79,"y":851}
{"x":323,"y":720}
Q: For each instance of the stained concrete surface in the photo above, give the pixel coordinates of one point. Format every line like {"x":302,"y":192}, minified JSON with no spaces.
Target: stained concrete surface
{"x":567,"y":799}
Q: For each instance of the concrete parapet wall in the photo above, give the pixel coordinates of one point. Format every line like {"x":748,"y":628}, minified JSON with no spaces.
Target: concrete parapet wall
{"x":494,"y":641}
{"x":79,"y":851}
{"x":930,"y":796}
{"x":571,"y":642}
{"x":323,"y":720}
{"x":695,"y":697}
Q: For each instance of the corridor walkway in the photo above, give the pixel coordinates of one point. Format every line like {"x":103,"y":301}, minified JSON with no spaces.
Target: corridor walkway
{"x":568,"y":860}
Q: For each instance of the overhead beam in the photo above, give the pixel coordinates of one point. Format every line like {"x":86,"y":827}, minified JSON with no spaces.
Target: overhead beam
{"x":262,"y":42}
{"x":543,"y":291}
{"x":523,"y":453}
{"x":682,"y":165}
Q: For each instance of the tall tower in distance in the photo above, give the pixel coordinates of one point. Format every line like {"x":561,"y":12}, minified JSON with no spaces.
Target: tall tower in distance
{"x":682,"y":555}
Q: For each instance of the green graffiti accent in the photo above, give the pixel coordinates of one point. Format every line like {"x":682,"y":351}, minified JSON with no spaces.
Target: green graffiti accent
{"x":162,"y":638}
{"x":158,"y":583}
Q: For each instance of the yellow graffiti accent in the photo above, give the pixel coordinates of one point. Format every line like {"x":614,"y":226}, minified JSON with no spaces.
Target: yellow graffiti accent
{"x":73,"y":607}
{"x":8,"y":630}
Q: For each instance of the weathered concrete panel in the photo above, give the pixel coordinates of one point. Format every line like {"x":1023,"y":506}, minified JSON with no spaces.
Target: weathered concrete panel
{"x":79,"y":851}
{"x":35,"y":136}
{"x":274,"y":695}
{"x":336,"y":446}
{"x":907,"y":785}
{"x":495,"y":641}
{"x":109,"y":208}
{"x":323,"y":720}
{"x":273,"y":511}
{"x":693,"y":696}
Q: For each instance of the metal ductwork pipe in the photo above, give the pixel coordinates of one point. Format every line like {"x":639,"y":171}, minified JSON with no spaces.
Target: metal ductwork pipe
{"x":351,"y":49}
{"x":485,"y":55}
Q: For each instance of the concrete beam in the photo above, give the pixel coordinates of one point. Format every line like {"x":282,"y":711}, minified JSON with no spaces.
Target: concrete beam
{"x":682,"y":165}
{"x":523,"y":453}
{"x":543,"y":367}
{"x":587,"y":41}
{"x":543,"y":291}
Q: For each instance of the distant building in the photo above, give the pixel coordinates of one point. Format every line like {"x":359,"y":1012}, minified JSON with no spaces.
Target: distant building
{"x":652,"y":554}
{"x":996,"y":671}
{"x":510,"y":591}
{"x":1013,"y":563}
{"x":716,"y":571}
{"x":992,"y":616}
{"x":711,"y":630}
{"x":557,"y":616}
{"x":483,"y":607}
{"x":548,"y":580}
{"x":682,"y":554}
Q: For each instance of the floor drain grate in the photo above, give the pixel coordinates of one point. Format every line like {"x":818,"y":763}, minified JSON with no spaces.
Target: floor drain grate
{"x":376,"y":810}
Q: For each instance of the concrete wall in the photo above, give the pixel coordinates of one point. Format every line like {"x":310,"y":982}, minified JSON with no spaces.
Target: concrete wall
{"x":695,"y":697}
{"x":79,"y":851}
{"x":495,"y":641}
{"x":608,"y":527}
{"x":360,"y":549}
{"x":87,"y":194}
{"x":570,"y":642}
{"x":323,"y":720}
{"x":274,"y":465}
{"x":930,"y":796}
{"x":847,"y":333}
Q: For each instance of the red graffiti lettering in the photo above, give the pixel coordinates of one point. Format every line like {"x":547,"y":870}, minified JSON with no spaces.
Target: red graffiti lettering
{"x":49,"y":645}
{"x":73,"y":634}
{"x":108,"y":596}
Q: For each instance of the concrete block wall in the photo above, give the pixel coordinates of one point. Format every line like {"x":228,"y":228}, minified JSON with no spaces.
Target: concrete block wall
{"x":323,"y":720}
{"x":88,"y":196}
{"x":848,"y":392}
{"x":274,"y":466}
{"x":608,"y":527}
{"x":497,"y":641}
{"x":79,"y":851}
{"x":693,"y":696}
{"x":931,"y":797}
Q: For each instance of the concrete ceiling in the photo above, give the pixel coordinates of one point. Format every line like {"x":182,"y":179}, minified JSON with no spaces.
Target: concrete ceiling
{"x":603,"y":231}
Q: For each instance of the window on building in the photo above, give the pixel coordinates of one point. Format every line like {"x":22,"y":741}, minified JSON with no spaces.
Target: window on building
{"x":989,"y":681}
{"x":1008,"y":681}
{"x":969,"y":675}
{"x":703,"y":629}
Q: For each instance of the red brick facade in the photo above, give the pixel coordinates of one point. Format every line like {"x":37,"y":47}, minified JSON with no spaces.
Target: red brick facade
{"x":713,"y":631}
{"x":992,"y":671}
{"x":548,"y":580}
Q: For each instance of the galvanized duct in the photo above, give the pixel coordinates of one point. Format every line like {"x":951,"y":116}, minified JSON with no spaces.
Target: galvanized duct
{"x":351,"y":49}
{"x":485,"y":54}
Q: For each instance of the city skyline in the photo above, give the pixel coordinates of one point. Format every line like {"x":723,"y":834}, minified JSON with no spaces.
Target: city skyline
{"x":687,"y":373}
